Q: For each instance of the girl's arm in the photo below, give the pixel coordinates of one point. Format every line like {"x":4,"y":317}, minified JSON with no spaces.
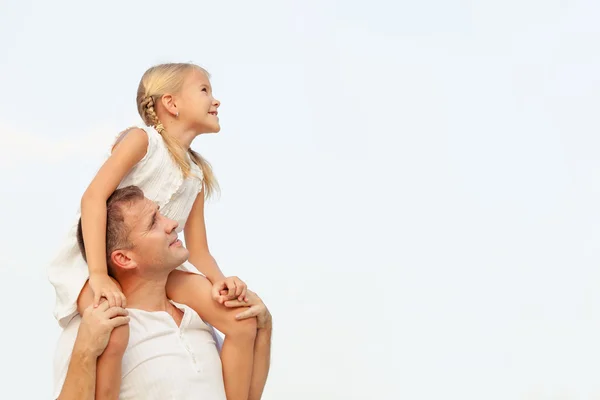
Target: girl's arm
{"x":128,"y":152}
{"x":197,"y":244}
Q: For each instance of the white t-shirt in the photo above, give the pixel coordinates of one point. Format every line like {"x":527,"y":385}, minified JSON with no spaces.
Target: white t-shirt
{"x":162,"y":361}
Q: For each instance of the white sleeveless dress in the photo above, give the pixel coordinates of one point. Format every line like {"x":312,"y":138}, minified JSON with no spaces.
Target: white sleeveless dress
{"x":162,"y":181}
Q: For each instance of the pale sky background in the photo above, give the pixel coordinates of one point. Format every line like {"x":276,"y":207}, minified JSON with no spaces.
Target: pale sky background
{"x":412,"y":187}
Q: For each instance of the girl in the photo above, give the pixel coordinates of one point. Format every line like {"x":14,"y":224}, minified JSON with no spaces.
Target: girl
{"x":177,"y":101}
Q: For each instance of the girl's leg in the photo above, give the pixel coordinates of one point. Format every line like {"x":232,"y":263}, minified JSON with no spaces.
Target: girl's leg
{"x":108,"y":367}
{"x":237,"y":355}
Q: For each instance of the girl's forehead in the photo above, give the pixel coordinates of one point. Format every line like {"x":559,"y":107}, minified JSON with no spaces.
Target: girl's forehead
{"x":199,"y":76}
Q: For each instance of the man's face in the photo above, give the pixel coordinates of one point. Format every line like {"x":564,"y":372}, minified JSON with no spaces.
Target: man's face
{"x":153,"y":236}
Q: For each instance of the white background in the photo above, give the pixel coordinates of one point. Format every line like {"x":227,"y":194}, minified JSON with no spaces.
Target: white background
{"x":412,"y":187}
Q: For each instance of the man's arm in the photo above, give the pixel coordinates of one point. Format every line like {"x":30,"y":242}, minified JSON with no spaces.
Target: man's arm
{"x":262,"y":343}
{"x":92,"y":338}
{"x":81,"y":377}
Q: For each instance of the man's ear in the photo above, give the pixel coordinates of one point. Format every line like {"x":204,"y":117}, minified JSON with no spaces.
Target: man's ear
{"x":122,"y":259}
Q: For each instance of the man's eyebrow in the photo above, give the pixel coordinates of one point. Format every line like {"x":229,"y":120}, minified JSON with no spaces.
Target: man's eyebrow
{"x":153,"y":219}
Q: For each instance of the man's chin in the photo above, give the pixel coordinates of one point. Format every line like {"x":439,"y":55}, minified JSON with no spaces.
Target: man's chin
{"x":176,"y":258}
{"x":184,"y":256}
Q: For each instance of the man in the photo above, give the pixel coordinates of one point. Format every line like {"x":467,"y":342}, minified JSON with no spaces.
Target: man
{"x":171,"y":351}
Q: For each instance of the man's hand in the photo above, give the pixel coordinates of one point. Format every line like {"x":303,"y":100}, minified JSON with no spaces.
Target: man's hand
{"x":97,"y":323}
{"x":257,"y":309}
{"x":234,"y":287}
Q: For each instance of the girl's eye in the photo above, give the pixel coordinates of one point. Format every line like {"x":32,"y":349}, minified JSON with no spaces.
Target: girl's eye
{"x":204,"y":89}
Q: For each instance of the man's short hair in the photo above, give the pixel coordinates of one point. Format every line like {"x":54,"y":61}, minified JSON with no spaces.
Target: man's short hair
{"x":117,"y":232}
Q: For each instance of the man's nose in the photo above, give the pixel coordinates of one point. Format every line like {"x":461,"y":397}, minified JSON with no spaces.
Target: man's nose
{"x":171,"y":225}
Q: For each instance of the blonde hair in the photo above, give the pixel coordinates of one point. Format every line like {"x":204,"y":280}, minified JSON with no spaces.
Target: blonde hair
{"x":156,"y":82}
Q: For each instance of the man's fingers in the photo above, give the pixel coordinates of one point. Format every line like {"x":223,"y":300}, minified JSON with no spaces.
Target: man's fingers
{"x":103,"y":306}
{"x":235,"y":303}
{"x":124,"y":301}
{"x":118,"y":321}
{"x":116,"y":311}
{"x":251,"y":312}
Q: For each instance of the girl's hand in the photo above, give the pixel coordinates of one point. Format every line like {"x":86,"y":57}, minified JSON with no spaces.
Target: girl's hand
{"x":234,"y":287}
{"x":103,"y":286}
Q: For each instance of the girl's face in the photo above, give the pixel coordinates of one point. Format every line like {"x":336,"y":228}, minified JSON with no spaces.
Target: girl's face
{"x":196,"y":104}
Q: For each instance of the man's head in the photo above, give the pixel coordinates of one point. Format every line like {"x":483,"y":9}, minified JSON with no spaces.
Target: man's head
{"x":138,"y":237}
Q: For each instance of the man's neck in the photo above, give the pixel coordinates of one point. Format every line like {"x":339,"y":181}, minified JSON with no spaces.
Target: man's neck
{"x":145,"y":293}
